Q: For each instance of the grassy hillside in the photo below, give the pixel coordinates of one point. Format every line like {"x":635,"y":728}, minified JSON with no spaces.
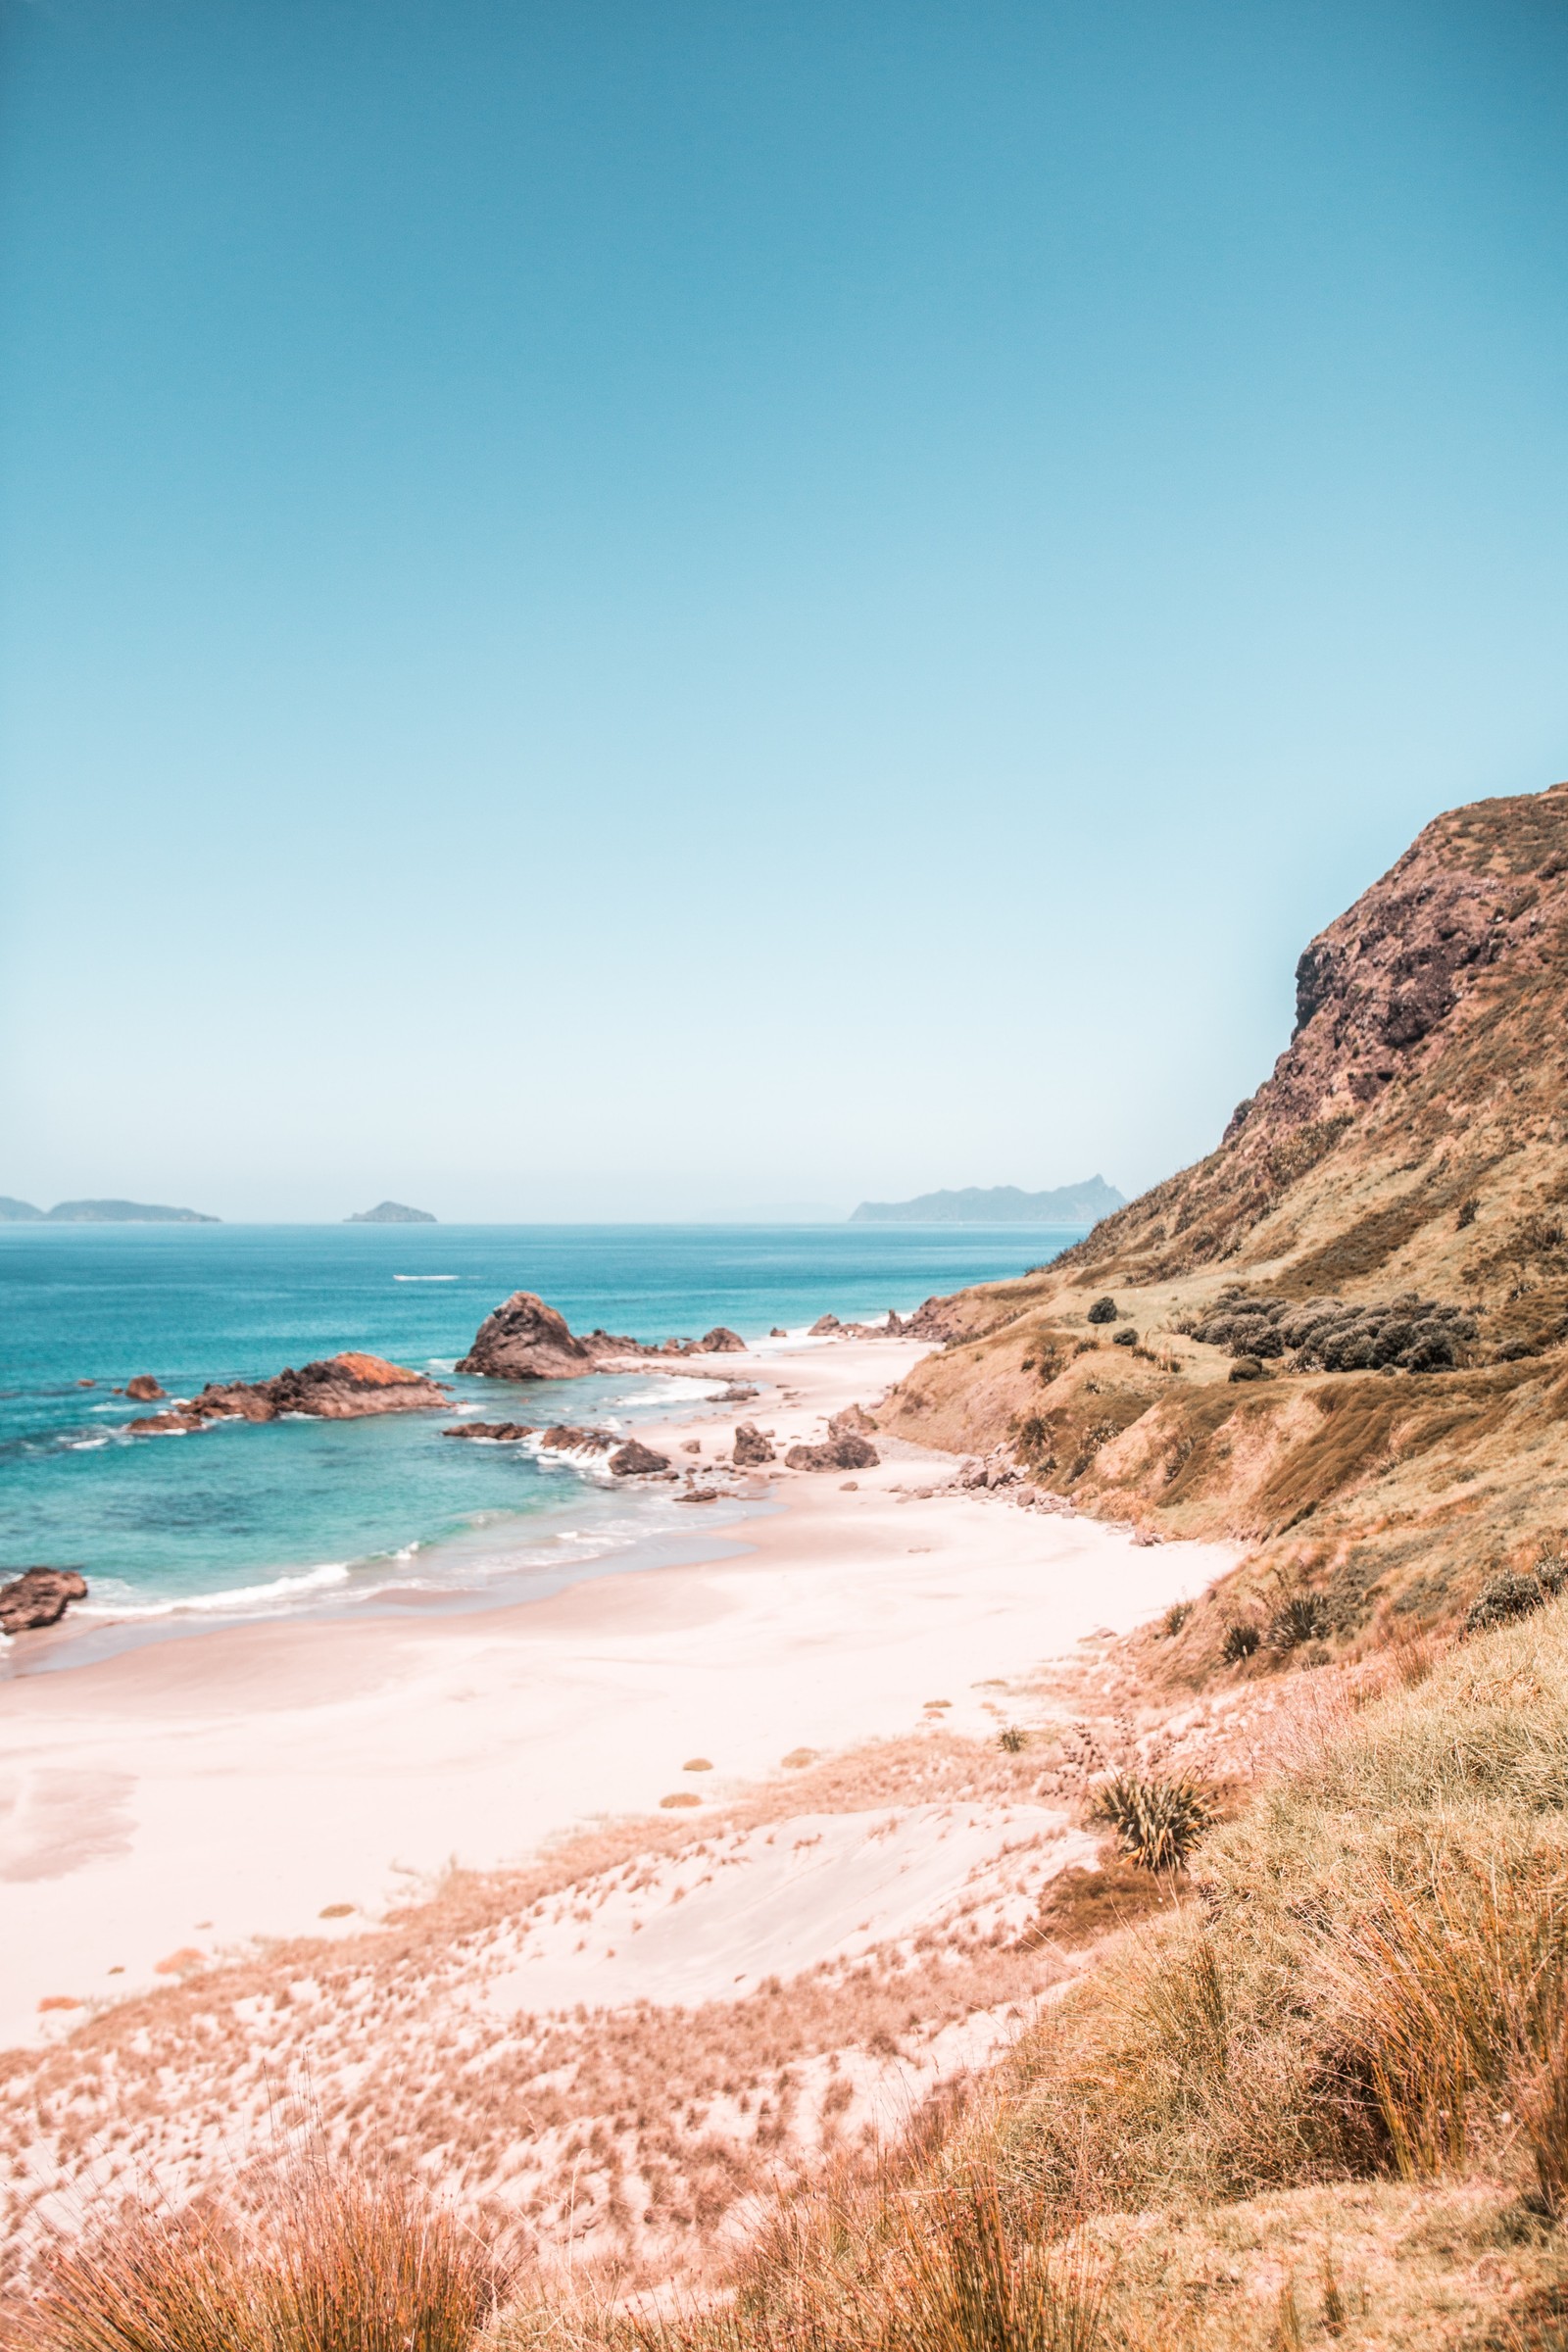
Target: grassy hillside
{"x":1342,"y":1336}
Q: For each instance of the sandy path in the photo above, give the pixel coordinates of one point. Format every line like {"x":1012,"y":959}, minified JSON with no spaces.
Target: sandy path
{"x":198,"y":1793}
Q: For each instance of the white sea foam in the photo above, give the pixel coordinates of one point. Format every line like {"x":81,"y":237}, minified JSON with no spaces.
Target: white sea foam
{"x":84,"y":1444}
{"x":279,"y":1589}
{"x":427,"y":1277}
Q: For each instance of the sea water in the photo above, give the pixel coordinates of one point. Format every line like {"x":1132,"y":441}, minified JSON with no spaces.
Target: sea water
{"x":241,"y":1520}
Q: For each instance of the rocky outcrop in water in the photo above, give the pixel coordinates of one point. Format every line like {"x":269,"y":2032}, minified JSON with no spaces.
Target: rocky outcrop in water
{"x":143,"y":1388}
{"x":37,"y":1597}
{"x":637,"y":1460}
{"x":526,"y":1340}
{"x":498,"y":1433}
{"x":339,"y":1387}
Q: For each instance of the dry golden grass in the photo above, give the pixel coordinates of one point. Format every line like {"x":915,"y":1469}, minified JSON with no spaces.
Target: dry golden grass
{"x":1324,"y":2100}
{"x":334,"y":2260}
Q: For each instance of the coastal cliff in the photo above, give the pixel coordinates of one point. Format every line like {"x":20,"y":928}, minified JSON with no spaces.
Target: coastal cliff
{"x":1343,"y":1336}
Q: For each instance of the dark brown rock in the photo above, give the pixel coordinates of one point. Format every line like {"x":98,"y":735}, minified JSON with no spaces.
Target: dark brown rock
{"x":722,"y":1340}
{"x":778,"y":1332}
{"x":738,"y":1393}
{"x":751,"y":1447}
{"x":563,"y":1438}
{"x":841,"y":1453}
{"x":38,"y":1597}
{"x":699,"y":1494}
{"x":526,"y":1340}
{"x":825,"y":1324}
{"x":636,"y":1461}
{"x":339,"y":1388}
{"x":499,"y":1433}
{"x":143,"y":1388}
{"x":157,"y":1425}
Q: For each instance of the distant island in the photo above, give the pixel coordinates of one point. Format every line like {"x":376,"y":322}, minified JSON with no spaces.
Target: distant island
{"x":998,"y":1205}
{"x":391,"y":1212}
{"x":99,"y":1212}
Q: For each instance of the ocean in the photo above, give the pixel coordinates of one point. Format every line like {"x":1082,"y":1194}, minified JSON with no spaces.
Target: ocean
{"x":245,"y":1521}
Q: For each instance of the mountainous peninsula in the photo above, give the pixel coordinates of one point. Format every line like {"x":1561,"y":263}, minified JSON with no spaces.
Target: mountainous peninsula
{"x":1342,"y":1337}
{"x":998,"y":1205}
{"x":99,"y":1212}
{"x":390,"y":1212}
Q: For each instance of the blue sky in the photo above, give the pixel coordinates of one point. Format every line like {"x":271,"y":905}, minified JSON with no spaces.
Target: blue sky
{"x":687,"y":610}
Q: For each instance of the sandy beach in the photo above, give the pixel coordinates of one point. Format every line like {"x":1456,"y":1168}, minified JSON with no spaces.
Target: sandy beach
{"x":183,"y":1798}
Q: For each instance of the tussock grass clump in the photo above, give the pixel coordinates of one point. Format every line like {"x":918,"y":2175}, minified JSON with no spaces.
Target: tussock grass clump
{"x":336,"y":2261}
{"x":1157,"y":1822}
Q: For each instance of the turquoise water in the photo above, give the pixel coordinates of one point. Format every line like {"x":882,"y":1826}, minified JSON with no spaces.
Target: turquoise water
{"x":239,"y":1520}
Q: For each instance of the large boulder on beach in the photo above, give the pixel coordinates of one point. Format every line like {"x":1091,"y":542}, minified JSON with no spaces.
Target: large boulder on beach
{"x":722,"y":1340}
{"x":750,"y":1449}
{"x":853,"y":1422}
{"x":847,"y":1452}
{"x":37,"y":1597}
{"x":823,"y":1325}
{"x":637,"y":1460}
{"x":526,"y":1340}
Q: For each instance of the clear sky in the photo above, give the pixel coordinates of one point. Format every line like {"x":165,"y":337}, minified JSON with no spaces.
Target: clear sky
{"x":654,"y":609}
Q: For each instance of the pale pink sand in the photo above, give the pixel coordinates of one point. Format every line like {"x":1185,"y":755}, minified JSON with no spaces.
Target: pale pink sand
{"x":200,"y":1793}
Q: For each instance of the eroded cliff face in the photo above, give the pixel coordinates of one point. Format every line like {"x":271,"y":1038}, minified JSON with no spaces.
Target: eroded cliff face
{"x":1342,"y":1335}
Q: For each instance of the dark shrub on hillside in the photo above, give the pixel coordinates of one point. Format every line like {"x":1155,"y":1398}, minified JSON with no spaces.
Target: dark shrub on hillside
{"x":1305,"y":1617}
{"x":1103,"y":1310}
{"x":1503,"y":1599}
{"x":1413,"y":1334}
{"x":1242,"y":1640}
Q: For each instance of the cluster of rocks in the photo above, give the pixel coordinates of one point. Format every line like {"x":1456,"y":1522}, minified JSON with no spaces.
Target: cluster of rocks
{"x":37,"y":1597}
{"x":526,"y":1340}
{"x":826,"y":1326}
{"x":339,"y":1388}
{"x":496,"y":1433}
{"x":1325,"y":1334}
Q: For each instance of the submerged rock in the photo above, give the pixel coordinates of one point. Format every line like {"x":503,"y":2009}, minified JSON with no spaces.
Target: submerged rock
{"x":37,"y":1597}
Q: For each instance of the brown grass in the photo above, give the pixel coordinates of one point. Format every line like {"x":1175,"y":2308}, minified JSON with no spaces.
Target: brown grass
{"x":336,"y":2259}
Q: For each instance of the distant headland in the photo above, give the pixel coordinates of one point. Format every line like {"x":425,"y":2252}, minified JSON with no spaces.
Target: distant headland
{"x":391,"y":1212}
{"x":998,"y":1205}
{"x":99,"y":1212}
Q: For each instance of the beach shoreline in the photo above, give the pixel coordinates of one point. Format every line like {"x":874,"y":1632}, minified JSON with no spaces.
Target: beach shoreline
{"x":185,"y":1797}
